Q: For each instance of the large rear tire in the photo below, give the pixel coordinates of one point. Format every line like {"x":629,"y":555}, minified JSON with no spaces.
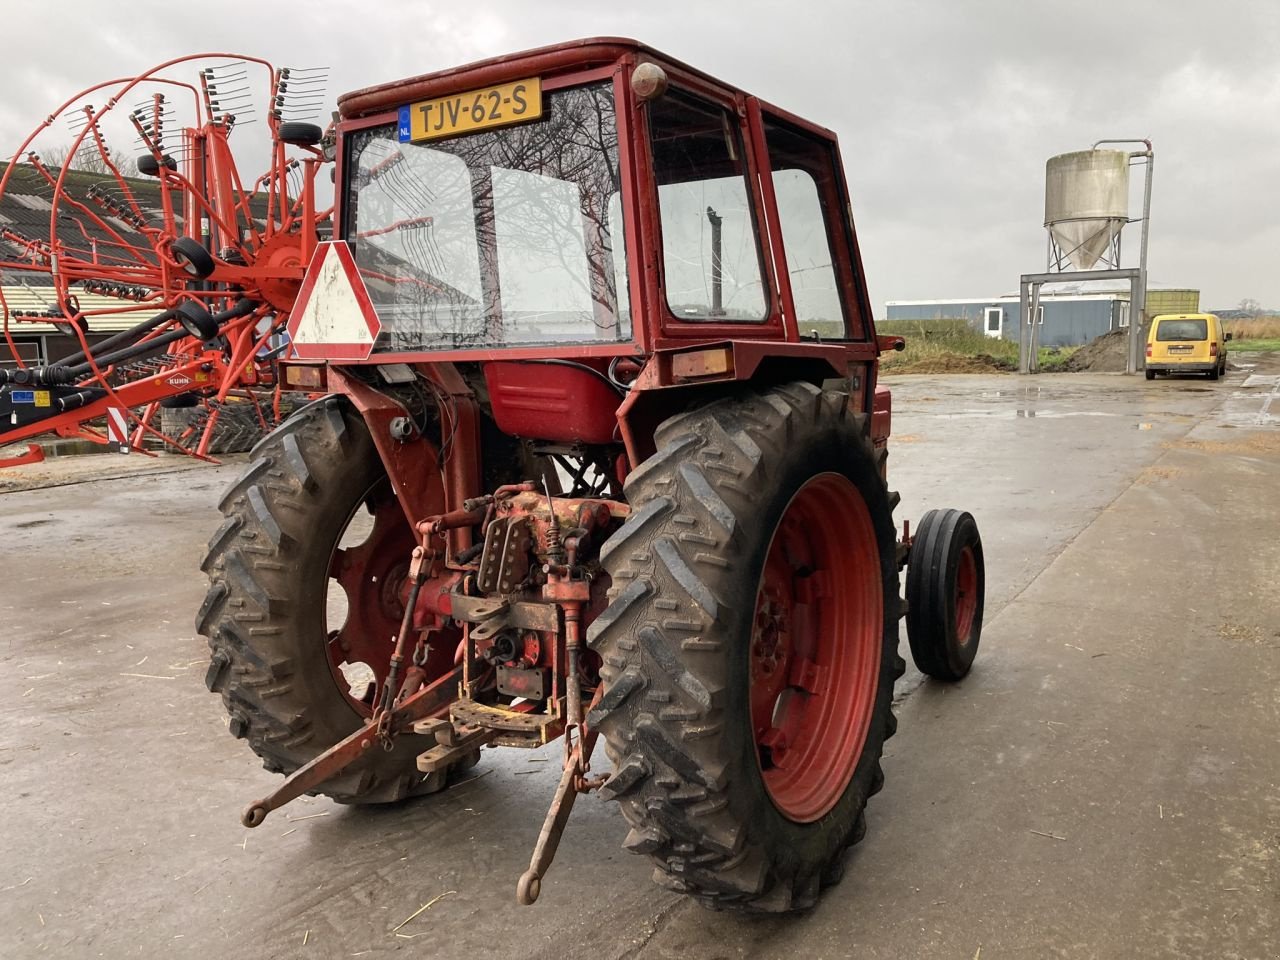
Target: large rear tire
{"x":275,"y":660}
{"x":750,"y":648}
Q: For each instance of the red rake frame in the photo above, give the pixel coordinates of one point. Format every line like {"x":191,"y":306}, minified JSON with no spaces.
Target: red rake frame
{"x":211,"y":244}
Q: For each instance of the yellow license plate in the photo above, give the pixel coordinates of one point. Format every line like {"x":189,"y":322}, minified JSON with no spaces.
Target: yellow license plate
{"x":475,"y":110}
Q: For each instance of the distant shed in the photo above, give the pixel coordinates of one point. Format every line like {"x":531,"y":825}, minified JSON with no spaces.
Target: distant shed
{"x":1066,"y":319}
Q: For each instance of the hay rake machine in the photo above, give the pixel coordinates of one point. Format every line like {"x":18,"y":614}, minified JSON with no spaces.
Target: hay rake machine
{"x":172,"y":288}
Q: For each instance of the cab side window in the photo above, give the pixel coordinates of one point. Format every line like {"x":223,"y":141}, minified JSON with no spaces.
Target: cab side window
{"x":814,"y":236}
{"x":711,"y":261}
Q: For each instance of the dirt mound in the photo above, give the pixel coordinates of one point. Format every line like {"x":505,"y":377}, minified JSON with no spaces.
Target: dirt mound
{"x":948,"y":363}
{"x":1104,"y":354}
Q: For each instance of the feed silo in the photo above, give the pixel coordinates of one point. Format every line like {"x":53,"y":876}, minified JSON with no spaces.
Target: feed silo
{"x":1086,"y":204}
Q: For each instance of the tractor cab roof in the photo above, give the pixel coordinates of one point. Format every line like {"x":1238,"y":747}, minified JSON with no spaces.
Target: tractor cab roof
{"x":569,"y":57}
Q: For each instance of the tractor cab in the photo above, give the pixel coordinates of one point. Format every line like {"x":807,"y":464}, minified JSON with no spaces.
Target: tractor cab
{"x":591,"y":205}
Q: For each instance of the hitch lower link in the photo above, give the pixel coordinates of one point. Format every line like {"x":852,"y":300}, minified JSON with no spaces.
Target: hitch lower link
{"x":425,"y":711}
{"x":573,"y":781}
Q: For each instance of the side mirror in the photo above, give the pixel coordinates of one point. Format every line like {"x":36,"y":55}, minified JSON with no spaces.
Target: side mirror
{"x":1226,"y":337}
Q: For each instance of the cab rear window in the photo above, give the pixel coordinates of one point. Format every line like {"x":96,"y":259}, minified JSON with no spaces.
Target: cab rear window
{"x":1182,"y":330}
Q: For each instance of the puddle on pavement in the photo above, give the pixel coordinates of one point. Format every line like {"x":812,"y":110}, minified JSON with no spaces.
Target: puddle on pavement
{"x":1261,"y":380}
{"x":1028,"y":413}
{"x":1251,"y":407}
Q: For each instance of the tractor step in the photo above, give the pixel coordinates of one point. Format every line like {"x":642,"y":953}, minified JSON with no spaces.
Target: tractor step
{"x":452,"y":742}
{"x":511,"y":728}
{"x":471,"y":725}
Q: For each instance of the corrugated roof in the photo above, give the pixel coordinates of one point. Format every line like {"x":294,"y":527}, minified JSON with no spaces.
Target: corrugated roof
{"x":25,"y":208}
{"x":1011,"y":298}
{"x":28,"y":200}
{"x":35,"y":299}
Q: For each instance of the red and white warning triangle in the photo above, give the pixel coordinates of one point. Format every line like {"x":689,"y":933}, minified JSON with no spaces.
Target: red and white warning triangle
{"x":333,"y":317}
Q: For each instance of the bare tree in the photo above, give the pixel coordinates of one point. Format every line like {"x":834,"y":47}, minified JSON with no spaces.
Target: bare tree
{"x":1250,"y":307}
{"x":90,"y":159}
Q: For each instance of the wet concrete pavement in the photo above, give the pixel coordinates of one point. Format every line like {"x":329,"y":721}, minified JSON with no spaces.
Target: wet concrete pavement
{"x":1103,"y":785}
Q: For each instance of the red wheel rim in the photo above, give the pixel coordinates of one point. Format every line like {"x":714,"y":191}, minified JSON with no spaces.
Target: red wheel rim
{"x":815,"y":647}
{"x":367,"y":574}
{"x":966,"y":595}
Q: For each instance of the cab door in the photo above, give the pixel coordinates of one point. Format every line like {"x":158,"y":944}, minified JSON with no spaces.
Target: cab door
{"x":714,"y":280}
{"x":814,"y":245}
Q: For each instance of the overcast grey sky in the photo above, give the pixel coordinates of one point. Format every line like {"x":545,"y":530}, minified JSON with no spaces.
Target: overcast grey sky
{"x":946,"y":110}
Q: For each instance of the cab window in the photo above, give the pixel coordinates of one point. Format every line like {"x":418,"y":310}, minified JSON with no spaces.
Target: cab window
{"x":711,"y":263}
{"x":814,"y":237}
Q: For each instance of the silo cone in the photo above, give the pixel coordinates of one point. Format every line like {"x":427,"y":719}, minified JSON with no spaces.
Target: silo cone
{"x":1086,"y":202}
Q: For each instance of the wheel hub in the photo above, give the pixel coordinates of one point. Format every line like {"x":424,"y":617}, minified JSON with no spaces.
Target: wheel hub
{"x":770,"y":643}
{"x":966,"y":595}
{"x":281,"y":253}
{"x":369,"y":574}
{"x":815,"y":647}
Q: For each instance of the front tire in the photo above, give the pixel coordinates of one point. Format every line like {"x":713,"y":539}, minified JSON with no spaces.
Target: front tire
{"x":750,"y":648}
{"x":946,"y":591}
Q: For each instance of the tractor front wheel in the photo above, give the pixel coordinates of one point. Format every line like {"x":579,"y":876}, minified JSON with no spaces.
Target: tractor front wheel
{"x":946,"y":587}
{"x":750,"y":647}
{"x":304,"y":602}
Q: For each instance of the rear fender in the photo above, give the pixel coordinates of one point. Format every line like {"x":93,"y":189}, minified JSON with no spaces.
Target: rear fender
{"x":413,"y":465}
{"x":881,"y":416}
{"x":675,"y":380}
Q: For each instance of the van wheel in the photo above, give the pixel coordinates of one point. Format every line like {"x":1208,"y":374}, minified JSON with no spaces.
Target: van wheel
{"x":1151,"y":374}
{"x":1214,"y":373}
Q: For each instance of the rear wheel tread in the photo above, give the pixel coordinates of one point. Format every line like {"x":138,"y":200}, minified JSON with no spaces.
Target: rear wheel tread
{"x":248,"y":612}
{"x":666,"y":759}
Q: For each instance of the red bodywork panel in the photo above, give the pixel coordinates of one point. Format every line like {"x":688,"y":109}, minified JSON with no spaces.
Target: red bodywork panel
{"x":564,"y":402}
{"x":561,"y":58}
{"x":881,"y":416}
{"x":413,"y":467}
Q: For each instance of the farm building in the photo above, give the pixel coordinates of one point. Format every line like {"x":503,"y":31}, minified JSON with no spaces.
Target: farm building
{"x":32,"y":324}
{"x":1066,"y":319}
{"x":28,"y":301}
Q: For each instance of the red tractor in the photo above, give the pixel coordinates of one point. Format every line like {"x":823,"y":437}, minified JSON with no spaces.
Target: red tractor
{"x":602,"y":454}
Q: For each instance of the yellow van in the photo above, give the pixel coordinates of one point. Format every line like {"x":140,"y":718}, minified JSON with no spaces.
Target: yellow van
{"x":1187,"y":343}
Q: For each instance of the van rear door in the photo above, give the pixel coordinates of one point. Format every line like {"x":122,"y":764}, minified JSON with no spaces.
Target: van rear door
{"x":1181,"y":340}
